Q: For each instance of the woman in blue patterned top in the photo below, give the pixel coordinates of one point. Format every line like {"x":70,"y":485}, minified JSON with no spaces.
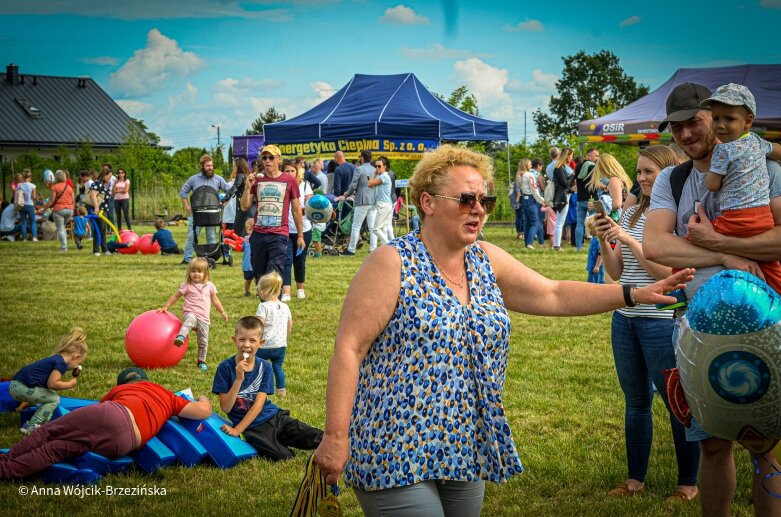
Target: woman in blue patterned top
{"x":414,"y":405}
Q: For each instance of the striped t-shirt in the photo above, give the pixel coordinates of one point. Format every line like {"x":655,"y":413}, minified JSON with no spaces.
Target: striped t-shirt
{"x":633,"y":272}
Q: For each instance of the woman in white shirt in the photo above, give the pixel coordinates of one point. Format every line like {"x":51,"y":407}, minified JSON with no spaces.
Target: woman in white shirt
{"x":296,"y":260}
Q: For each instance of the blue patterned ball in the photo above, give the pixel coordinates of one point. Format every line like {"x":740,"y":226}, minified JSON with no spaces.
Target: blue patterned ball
{"x":318,"y":209}
{"x":729,"y":358}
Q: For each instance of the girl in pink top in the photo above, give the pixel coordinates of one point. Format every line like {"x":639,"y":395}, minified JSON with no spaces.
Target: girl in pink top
{"x":121,"y":194}
{"x":199,"y":295}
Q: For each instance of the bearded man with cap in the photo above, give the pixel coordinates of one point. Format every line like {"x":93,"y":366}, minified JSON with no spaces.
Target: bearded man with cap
{"x":676,"y":213}
{"x":275,"y":195}
{"x":125,"y":419}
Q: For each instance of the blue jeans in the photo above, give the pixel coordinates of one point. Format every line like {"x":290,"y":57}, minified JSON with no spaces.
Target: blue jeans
{"x":580,"y":228}
{"x":27,"y":214}
{"x":642,"y":348}
{"x":277,"y":357}
{"x":189,"y":249}
{"x":430,"y":498}
{"x":531,"y":220}
{"x":519,"y":224}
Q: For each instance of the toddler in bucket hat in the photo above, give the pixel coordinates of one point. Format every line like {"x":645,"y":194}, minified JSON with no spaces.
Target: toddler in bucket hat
{"x":738,"y":170}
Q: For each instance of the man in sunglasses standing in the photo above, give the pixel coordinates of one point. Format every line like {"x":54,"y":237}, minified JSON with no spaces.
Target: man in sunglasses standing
{"x":275,"y":195}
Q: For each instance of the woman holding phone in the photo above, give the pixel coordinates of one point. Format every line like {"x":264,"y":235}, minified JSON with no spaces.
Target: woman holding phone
{"x":641,"y":335}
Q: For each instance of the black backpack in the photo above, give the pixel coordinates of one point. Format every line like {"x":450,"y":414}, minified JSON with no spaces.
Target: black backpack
{"x":678,"y":178}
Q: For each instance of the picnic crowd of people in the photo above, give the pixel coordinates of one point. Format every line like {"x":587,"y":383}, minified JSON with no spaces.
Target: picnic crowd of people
{"x":414,"y":415}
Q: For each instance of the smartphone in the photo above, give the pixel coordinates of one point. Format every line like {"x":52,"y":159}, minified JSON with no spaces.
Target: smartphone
{"x":599,"y":208}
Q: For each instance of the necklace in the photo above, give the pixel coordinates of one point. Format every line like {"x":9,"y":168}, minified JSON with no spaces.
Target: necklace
{"x":463,"y":273}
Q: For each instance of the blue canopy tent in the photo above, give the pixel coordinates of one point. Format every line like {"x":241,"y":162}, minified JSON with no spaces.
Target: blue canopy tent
{"x":639,"y":121}
{"x":384,"y":106}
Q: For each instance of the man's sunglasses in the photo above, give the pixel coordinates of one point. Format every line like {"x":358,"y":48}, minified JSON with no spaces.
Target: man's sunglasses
{"x":267,"y":157}
{"x":467,"y":200}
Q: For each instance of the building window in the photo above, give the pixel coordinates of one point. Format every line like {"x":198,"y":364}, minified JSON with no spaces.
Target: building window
{"x":29,"y":108}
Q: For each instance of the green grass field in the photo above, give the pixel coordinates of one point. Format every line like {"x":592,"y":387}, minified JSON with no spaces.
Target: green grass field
{"x":561,"y":394}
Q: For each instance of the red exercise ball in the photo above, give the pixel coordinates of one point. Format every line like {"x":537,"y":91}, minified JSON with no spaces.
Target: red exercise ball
{"x":149,"y":340}
{"x":129,"y":236}
{"x":146,"y":247}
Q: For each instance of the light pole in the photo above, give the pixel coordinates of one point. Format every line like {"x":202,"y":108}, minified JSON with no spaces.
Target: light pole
{"x":218,"y":134}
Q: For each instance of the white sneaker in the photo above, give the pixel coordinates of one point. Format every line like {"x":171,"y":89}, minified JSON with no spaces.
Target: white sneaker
{"x":300,"y":294}
{"x":27,"y":428}
{"x":285,"y":298}
{"x":35,"y":239}
{"x":97,"y":254}
{"x":107,"y":253}
{"x":10,"y":238}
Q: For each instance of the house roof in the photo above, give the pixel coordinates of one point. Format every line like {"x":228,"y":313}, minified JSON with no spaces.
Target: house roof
{"x":42,"y":110}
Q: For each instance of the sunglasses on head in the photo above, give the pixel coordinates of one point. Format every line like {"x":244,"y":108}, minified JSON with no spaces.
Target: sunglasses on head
{"x":467,"y":200}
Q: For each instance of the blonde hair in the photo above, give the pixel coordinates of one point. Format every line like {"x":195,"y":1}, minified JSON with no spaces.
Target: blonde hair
{"x":73,"y":342}
{"x":159,"y":223}
{"x":524,"y":165}
{"x":269,"y":286}
{"x":591,"y":224}
{"x":608,"y":167}
{"x":27,"y":173}
{"x":564,"y":157}
{"x":431,"y":172}
{"x":60,"y":176}
{"x":82,"y":211}
{"x":663,"y":157}
{"x":249,"y":225}
{"x":197,"y":264}
{"x":205,"y":158}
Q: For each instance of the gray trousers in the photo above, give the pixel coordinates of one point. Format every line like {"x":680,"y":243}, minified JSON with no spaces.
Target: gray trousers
{"x":48,"y":399}
{"x":430,"y":498}
{"x":201,"y":331}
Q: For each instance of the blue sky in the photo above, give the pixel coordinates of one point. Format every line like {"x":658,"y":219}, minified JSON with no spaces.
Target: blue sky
{"x":183,"y":66}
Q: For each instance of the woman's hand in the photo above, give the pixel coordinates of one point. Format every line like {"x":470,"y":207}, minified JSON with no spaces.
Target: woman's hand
{"x":331,"y":456}
{"x":656,"y":293}
{"x":609,"y":230}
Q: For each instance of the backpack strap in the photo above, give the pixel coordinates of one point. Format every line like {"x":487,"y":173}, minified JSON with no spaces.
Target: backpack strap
{"x":678,"y":177}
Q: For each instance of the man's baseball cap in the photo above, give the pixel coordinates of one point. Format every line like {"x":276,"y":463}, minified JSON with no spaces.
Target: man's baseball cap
{"x":274,"y":150}
{"x":131,"y":374}
{"x":732,"y":95}
{"x":683,"y":103}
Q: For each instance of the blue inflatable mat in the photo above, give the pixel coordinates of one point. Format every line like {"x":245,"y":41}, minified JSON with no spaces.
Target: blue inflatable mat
{"x":226,"y":451}
{"x":67,"y":474}
{"x":7,"y":403}
{"x":71,"y":403}
{"x":153,"y":455}
{"x":101,"y":464}
{"x":188,"y":450}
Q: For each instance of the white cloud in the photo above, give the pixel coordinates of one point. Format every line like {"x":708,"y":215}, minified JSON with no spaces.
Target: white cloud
{"x":323,"y":90}
{"x":403,"y":15}
{"x":153,"y":9}
{"x":134,"y":108}
{"x":188,"y":96}
{"x":153,"y":66}
{"x":235,"y":93}
{"x":542,"y":82}
{"x":526,"y":25}
{"x":100,"y":60}
{"x":488,"y":84}
{"x":770,"y":4}
{"x":440,"y":52}
{"x":632,"y":20}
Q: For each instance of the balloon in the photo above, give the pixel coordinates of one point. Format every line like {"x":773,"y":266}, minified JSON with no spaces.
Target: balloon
{"x":318,"y":209}
{"x":729,"y":359}
{"x":149,"y":340}
{"x":127,"y":236}
{"x":233,"y":240}
{"x":48,"y":176}
{"x":146,"y":247}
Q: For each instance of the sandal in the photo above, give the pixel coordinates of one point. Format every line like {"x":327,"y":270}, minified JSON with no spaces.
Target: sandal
{"x":680,"y":497}
{"x":623,"y":490}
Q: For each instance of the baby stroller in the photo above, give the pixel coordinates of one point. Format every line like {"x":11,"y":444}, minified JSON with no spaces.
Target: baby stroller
{"x":337,"y":234}
{"x":205,"y":203}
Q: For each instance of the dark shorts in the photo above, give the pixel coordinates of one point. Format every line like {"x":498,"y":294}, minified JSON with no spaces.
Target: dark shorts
{"x":248,"y":275}
{"x":268,"y":253}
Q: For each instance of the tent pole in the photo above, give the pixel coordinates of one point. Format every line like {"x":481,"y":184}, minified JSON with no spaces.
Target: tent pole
{"x":509,"y":176}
